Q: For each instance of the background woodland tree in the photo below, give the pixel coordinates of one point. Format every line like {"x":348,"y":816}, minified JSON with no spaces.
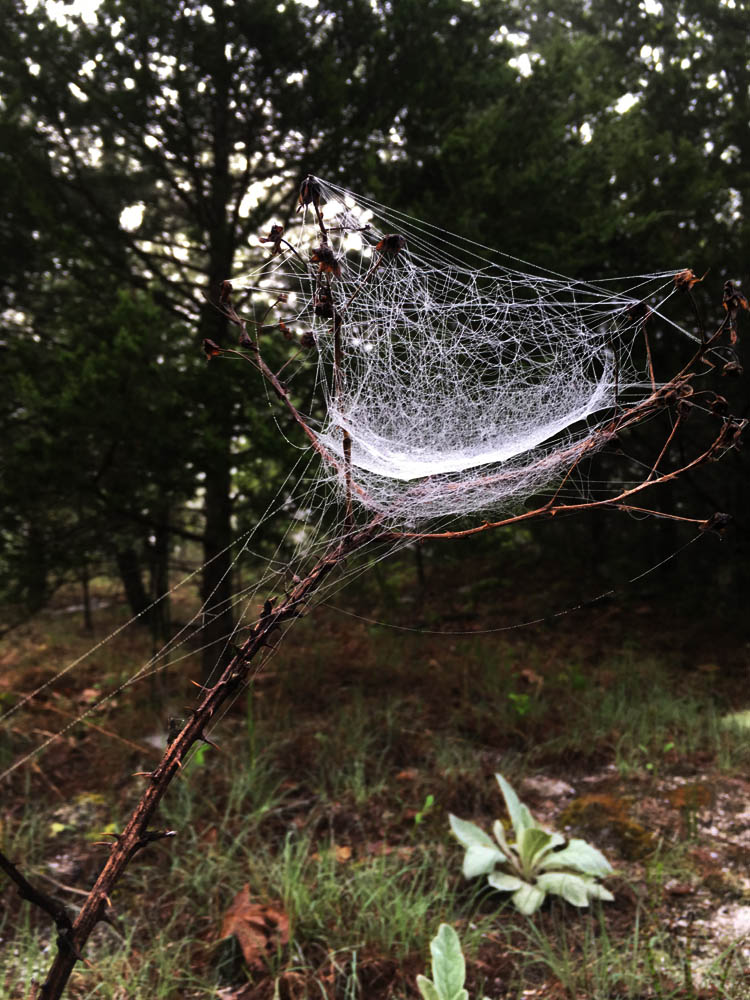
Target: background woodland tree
{"x":144,"y":152}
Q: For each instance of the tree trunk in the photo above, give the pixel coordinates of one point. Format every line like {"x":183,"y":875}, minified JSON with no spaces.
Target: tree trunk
{"x":88,"y":622}
{"x":217,"y":573}
{"x":129,"y":567}
{"x":159,"y":571}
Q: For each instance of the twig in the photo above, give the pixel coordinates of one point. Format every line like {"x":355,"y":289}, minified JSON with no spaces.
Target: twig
{"x":43,"y":900}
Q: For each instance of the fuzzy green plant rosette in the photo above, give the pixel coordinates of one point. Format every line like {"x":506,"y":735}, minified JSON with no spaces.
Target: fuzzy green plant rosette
{"x":539,"y":863}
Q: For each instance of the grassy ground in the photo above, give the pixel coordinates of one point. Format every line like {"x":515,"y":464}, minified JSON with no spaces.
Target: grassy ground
{"x":313,"y":856}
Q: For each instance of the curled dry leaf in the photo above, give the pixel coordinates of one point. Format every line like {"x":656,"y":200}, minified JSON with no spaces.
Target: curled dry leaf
{"x":686,"y":279}
{"x":210,"y":349}
{"x":326,"y":260}
{"x":260,"y":928}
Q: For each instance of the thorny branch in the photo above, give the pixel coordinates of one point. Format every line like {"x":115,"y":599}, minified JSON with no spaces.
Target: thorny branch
{"x":136,"y":834}
{"x":678,"y":394}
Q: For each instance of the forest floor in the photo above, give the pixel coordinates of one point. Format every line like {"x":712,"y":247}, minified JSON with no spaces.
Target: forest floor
{"x":313,"y":855}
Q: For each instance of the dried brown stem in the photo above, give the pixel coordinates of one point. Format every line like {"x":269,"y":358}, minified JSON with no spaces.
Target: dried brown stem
{"x":723,"y":440}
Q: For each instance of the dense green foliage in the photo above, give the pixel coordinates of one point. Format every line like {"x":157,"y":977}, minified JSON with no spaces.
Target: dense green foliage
{"x":501,"y":121}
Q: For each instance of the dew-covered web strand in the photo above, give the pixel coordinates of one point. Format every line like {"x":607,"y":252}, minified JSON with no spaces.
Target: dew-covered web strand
{"x":391,"y":390}
{"x":579,"y":605}
{"x":436,"y":234}
{"x":152,"y":665}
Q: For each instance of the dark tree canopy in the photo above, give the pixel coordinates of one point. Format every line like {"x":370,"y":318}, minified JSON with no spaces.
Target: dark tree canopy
{"x":145,"y":149}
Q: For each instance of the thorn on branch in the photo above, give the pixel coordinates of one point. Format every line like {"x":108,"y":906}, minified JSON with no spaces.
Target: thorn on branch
{"x":175,"y":725}
{"x":150,"y":836}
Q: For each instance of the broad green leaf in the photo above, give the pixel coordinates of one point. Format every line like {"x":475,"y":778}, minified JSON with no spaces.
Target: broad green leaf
{"x":448,"y":966}
{"x":505,"y":883}
{"x":533,"y":843}
{"x":571,"y":887}
{"x":427,"y":988}
{"x":469,"y":834}
{"x":499,"y":832}
{"x":528,"y":899}
{"x":480,"y":860}
{"x":520,"y":816}
{"x":596,"y":891}
{"x":738,"y":720}
{"x":581,"y":857}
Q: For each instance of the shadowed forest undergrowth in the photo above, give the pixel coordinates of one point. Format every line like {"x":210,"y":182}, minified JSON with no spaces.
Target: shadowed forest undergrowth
{"x":313,"y":856}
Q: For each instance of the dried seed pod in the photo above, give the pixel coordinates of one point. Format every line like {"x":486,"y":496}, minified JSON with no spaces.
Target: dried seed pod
{"x":210,"y":349}
{"x":323,"y":304}
{"x":309,"y":192}
{"x":733,"y":297}
{"x":326,"y":260}
{"x":720,"y":406}
{"x":275,"y":235}
{"x":684,"y":280}
{"x":732,"y":368}
{"x":639,"y":312}
{"x":718,"y":522}
{"x":391,"y":245}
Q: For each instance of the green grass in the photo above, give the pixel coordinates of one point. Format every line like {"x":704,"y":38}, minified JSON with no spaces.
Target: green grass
{"x":316,"y":801}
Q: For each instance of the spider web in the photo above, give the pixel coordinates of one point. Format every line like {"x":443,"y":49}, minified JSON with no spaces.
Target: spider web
{"x":462,"y":382}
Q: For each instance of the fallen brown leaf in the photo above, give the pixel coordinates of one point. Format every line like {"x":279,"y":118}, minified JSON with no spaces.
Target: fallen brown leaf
{"x":259,"y":928}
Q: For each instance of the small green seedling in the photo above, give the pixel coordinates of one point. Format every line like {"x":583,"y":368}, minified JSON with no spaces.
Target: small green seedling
{"x":448,"y":968}
{"x":426,"y":809}
{"x":537,"y":864}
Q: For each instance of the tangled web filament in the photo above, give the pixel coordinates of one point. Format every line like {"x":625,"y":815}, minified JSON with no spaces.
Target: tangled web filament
{"x":462,"y":383}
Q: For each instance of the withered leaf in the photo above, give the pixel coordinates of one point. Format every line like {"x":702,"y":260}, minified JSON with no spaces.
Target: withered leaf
{"x":210,"y":349}
{"x":391,"y":244}
{"x":309,"y":192}
{"x":326,"y":260}
{"x":686,"y":279}
{"x":274,"y":236}
{"x":260,"y":928}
